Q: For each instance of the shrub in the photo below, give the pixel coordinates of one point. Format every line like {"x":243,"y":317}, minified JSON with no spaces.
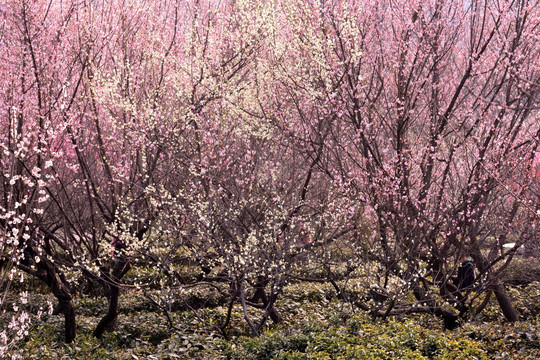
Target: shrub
{"x":522,"y":271}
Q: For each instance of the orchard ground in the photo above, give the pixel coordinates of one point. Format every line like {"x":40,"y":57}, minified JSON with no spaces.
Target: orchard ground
{"x":317,"y":325}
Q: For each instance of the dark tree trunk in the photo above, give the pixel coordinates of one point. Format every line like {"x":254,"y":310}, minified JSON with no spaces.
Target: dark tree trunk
{"x":69,"y":319}
{"x":112,"y":291}
{"x":47,"y":273}
{"x":274,"y":315}
{"x":108,"y":321}
{"x":260,"y":294}
{"x":451,"y":320}
{"x":451,"y":294}
{"x":498,"y":289}
{"x":484,"y":303}
{"x":504,"y":302}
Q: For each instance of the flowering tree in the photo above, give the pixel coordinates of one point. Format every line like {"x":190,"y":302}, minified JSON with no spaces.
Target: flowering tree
{"x":252,"y":135}
{"x":437,"y":126}
{"x":29,"y":100}
{"x":83,"y":141}
{"x":242,"y":211}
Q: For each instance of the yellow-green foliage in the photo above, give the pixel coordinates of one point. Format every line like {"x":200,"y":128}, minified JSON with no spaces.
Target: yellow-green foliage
{"x":359,"y":339}
{"x":316,"y":326}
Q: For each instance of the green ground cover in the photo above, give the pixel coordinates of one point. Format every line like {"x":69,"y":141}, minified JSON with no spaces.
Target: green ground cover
{"x":316,"y":326}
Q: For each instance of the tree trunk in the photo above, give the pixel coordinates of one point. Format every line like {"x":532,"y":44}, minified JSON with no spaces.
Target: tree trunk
{"x":453,"y":296}
{"x":484,"y":303}
{"x":108,"y":321}
{"x":451,"y":320}
{"x":61,"y":290}
{"x":69,"y":318}
{"x":260,"y":294}
{"x":498,"y":289}
{"x":504,"y":302}
{"x":112,"y":291}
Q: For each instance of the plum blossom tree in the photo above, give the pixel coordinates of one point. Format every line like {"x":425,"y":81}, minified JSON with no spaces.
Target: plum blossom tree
{"x":254,"y":136}
{"x":27,"y":107}
{"x":437,"y":132}
{"x":85,"y":139}
{"x":241,"y":206}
